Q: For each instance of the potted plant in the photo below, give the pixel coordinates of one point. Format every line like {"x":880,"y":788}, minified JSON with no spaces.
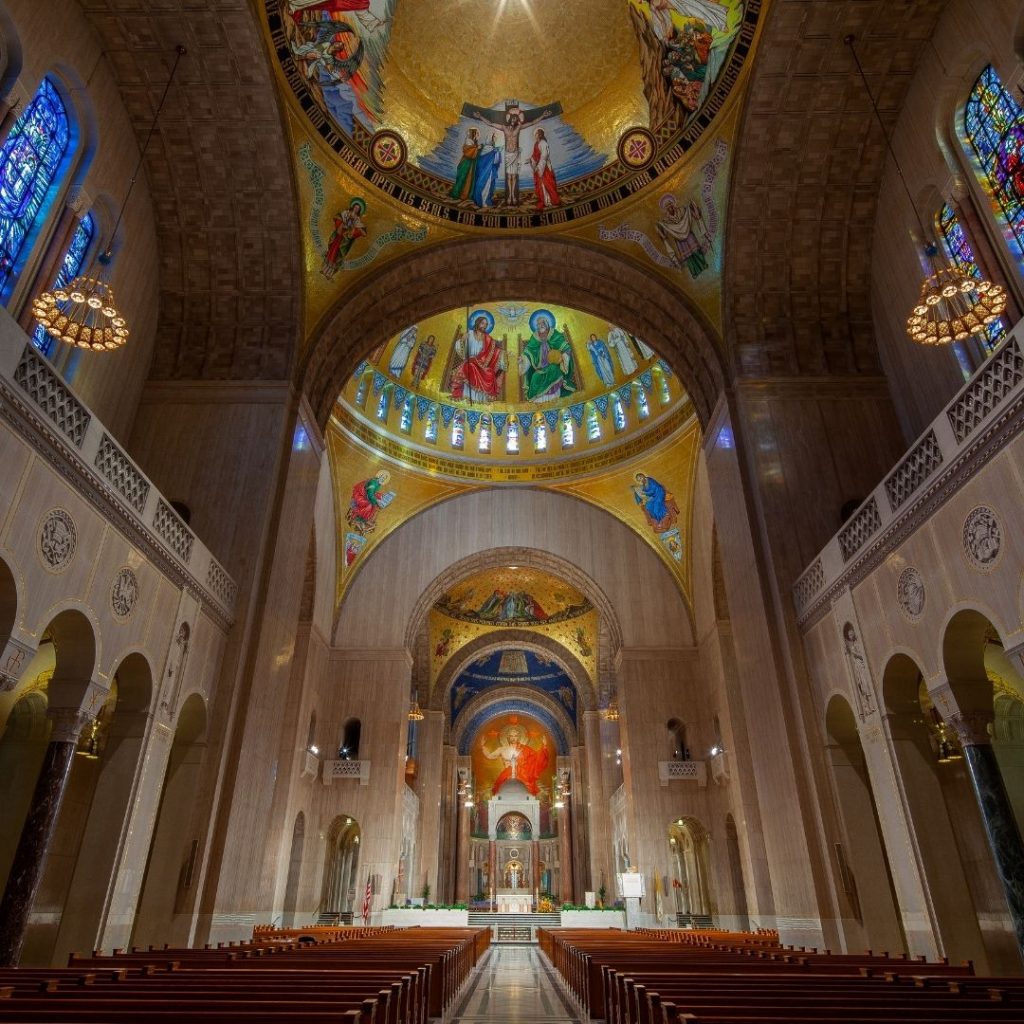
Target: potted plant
{"x":601,"y":893}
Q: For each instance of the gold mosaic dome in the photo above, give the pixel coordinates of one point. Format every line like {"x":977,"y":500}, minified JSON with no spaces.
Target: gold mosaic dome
{"x":509,"y":113}
{"x":512,"y":389}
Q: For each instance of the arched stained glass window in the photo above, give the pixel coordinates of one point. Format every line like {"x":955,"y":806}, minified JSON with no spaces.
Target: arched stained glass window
{"x":994,"y":127}
{"x":568,"y":432}
{"x":484,"y":440}
{"x":29,"y":161}
{"x":458,"y":431}
{"x":512,"y":437}
{"x":962,"y":255}
{"x":70,"y":268}
{"x":430,"y":434}
{"x":405,"y":425}
{"x":593,"y":426}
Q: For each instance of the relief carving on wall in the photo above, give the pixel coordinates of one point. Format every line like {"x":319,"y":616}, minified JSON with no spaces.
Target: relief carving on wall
{"x":910,"y":593}
{"x":58,"y":539}
{"x":124,"y":593}
{"x":983,"y":538}
{"x":862,"y":689}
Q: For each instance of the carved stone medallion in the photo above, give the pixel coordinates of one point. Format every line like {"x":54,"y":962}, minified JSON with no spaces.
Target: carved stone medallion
{"x":58,"y":539}
{"x":910,"y":593}
{"x":124,"y":593}
{"x":983,"y":538}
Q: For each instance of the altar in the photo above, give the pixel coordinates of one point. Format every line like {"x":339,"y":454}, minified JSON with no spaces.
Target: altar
{"x":513,"y":902}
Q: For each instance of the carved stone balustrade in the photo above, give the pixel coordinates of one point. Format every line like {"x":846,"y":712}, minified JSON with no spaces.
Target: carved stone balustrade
{"x":980,"y":421}
{"x":44,"y":411}
{"x":343,"y":770}
{"x":689,"y":771}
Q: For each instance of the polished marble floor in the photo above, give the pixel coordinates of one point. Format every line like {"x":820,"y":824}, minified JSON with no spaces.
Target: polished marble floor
{"x":514,"y":985}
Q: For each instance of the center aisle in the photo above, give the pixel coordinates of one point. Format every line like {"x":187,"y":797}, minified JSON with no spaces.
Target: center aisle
{"x":515,"y":983}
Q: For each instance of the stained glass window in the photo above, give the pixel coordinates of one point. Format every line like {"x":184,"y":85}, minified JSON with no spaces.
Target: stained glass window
{"x":384,"y":404}
{"x":70,"y":268}
{"x":512,"y":437}
{"x":363,"y":389}
{"x":994,"y":126}
{"x":568,"y":433}
{"x":619,"y":414}
{"x":664,"y":395}
{"x":430,"y":434}
{"x":29,"y":160}
{"x":484,"y":439}
{"x":540,"y":436}
{"x":405,"y":424}
{"x":961,"y":253}
{"x":642,"y":408}
{"x":593,"y":424}
{"x":458,"y":431}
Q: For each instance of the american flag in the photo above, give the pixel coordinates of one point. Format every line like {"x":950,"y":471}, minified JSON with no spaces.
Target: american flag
{"x":367,"y":899}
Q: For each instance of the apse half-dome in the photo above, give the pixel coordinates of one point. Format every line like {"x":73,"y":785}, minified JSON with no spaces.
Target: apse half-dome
{"x":508,"y":113}
{"x":512,"y":389}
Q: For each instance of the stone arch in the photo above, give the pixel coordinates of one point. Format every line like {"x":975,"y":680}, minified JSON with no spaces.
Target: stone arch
{"x":11,"y":54}
{"x":9,"y":603}
{"x":965,"y":633}
{"x":538,"y":643}
{"x":134,"y":671}
{"x":76,"y":645}
{"x":495,"y":558}
{"x":469,"y":715}
{"x":549,"y":268}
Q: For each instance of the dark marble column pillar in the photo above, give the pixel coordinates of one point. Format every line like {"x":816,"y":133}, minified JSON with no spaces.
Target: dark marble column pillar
{"x":535,"y":855}
{"x":30,"y":856}
{"x":996,"y":811}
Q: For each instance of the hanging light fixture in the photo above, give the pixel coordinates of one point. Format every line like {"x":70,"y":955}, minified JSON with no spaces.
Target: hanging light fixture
{"x":83,"y":313}
{"x":415,"y":712}
{"x":611,"y":712}
{"x":952,"y":305}
{"x":90,"y":750}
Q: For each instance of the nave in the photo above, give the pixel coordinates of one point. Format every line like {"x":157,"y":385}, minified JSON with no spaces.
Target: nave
{"x":515,"y":984}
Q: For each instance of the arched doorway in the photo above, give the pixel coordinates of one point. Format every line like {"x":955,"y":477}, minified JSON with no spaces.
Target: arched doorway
{"x":341,"y":871}
{"x":77,"y":877}
{"x":689,"y":845}
{"x":870,"y":918}
{"x":987,"y":830}
{"x":937,"y":794}
{"x":169,"y":890}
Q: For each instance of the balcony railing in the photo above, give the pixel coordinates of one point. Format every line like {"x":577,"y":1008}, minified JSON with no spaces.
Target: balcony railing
{"x":975,"y":426}
{"x":335,"y":770}
{"x":44,"y":411}
{"x":689,"y":771}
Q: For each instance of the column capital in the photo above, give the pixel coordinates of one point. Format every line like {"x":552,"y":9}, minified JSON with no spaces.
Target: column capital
{"x":14,"y":659}
{"x":971,"y":727}
{"x":68,"y":723}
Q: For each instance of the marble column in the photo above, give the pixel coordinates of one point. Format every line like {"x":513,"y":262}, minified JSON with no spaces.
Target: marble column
{"x":535,"y":854}
{"x":492,"y":877}
{"x":564,"y":855}
{"x":462,"y":853}
{"x":996,"y":810}
{"x":30,"y":855}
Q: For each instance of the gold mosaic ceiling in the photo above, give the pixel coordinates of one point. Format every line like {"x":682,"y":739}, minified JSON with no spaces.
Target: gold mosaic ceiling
{"x":510,"y":113}
{"x":510,"y":389}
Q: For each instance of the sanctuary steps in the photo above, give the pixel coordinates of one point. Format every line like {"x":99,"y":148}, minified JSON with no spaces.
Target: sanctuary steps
{"x":715,"y":977}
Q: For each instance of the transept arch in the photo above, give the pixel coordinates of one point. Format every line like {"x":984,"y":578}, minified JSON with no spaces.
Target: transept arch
{"x":546,"y":267}
{"x":522,"y":639}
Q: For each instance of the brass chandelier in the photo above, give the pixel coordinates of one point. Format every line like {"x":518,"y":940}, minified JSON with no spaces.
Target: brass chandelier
{"x":952,"y":305}
{"x":83,"y":313}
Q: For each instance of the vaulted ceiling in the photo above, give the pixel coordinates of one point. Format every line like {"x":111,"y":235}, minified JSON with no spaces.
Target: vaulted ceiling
{"x":807,"y":168}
